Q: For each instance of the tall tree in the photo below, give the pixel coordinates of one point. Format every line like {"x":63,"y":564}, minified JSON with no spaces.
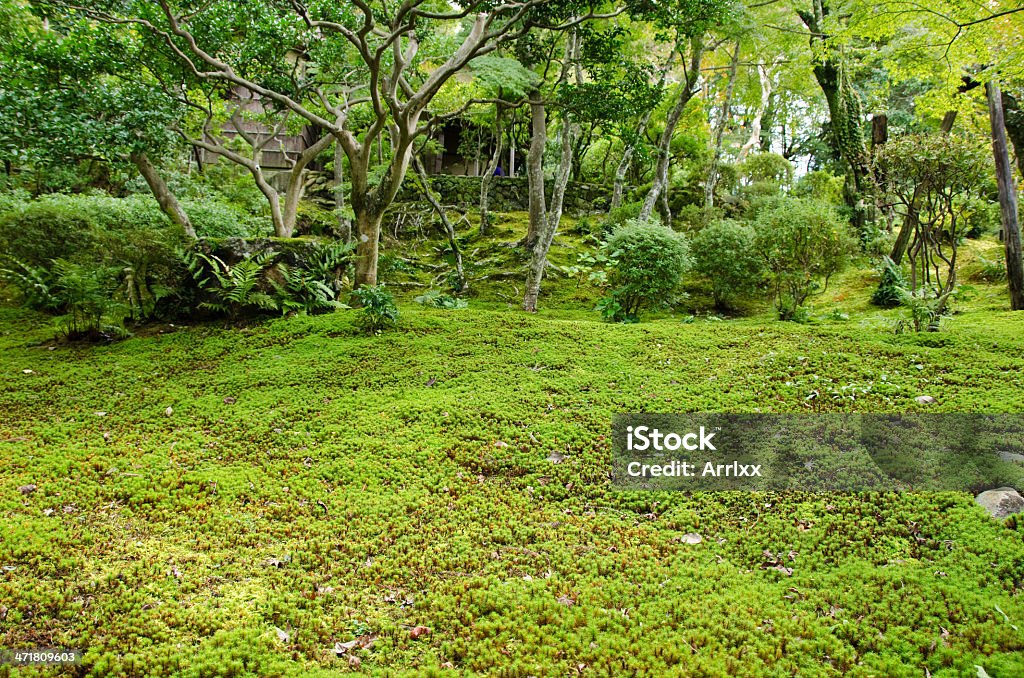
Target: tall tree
{"x":1007,"y":198}
{"x":846,"y":119}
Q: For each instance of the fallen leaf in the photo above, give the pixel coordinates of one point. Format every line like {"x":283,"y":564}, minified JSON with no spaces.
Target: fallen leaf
{"x":281,"y":635}
{"x":27,"y":489}
{"x":419,"y":631}
{"x":229,"y":401}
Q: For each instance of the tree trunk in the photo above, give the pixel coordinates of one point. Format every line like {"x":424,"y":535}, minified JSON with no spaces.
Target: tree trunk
{"x":844,"y":110}
{"x":535,"y":168}
{"x":1013,"y":116}
{"x":754,"y":141}
{"x":492,"y":166}
{"x":716,"y":157}
{"x":1007,"y":198}
{"x":367,"y":247}
{"x":686,"y":92}
{"x":168,"y":203}
{"x":449,"y":229}
{"x":539,"y":253}
{"x":344,"y":223}
{"x":297,"y":184}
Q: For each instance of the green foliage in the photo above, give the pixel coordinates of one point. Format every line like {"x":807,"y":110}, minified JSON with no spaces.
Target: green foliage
{"x":891,"y":287}
{"x":820,"y":185}
{"x":213,"y":219}
{"x":803,"y":243}
{"x":619,"y":216}
{"x":724,"y":253}
{"x":439,"y":299}
{"x":86,"y":293}
{"x":233,"y":288}
{"x":35,"y":233}
{"x":766,"y":168}
{"x":991,"y":270}
{"x":377,"y":309}
{"x":35,"y":285}
{"x":647,"y":263}
{"x":303,"y":291}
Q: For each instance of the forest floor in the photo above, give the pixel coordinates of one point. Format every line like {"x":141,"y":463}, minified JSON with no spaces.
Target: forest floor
{"x":212,"y":501}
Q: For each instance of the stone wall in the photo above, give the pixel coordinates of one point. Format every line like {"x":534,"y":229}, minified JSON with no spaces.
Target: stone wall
{"x":507,"y":194}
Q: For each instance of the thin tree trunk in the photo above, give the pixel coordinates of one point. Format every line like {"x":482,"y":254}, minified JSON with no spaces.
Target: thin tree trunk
{"x":296,"y":187}
{"x":754,"y":141}
{"x":548,"y":218}
{"x":686,"y":92}
{"x":535,"y":168}
{"x":492,"y":166}
{"x":1007,"y":198}
{"x":716,"y":157}
{"x":449,"y":228}
{"x":164,"y":197}
{"x":344,"y":223}
{"x":539,"y":255}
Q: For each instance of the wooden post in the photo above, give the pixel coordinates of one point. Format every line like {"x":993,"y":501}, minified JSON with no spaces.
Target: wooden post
{"x":1007,"y":198}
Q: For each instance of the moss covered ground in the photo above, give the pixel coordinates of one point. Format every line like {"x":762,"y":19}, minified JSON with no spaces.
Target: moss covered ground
{"x":237,"y":501}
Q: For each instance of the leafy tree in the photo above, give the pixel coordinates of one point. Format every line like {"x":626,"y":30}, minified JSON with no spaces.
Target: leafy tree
{"x":933,"y":179}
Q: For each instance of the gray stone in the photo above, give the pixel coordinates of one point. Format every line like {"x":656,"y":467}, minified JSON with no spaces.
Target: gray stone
{"x":1001,"y":502}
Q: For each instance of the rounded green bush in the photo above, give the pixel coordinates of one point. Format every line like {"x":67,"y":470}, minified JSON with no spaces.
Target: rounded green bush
{"x":648,"y":262}
{"x":803,"y":243}
{"x":724,"y":253}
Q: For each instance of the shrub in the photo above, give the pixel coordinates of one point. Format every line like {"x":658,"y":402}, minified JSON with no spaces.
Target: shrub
{"x":38,"y":232}
{"x":724,"y":253}
{"x":803,"y":243}
{"x":377,"y":310}
{"x":647,"y":262}
{"x":822,"y":186}
{"x":219,"y":220}
{"x":438,"y":299}
{"x":233,"y":288}
{"x":88,"y":303}
{"x":619,"y":216}
{"x":891,"y":287}
{"x":767,"y":167}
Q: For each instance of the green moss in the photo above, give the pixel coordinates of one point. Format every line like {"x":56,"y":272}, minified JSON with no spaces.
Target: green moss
{"x":328,"y":484}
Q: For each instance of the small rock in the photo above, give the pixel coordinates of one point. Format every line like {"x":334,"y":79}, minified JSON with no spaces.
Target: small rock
{"x":1011,"y":456}
{"x":27,"y":372}
{"x":691,"y":538}
{"x":354,"y":661}
{"x":229,"y":401}
{"x":419,"y":631}
{"x":27,"y":489}
{"x":169,"y":411}
{"x":925,"y":400}
{"x":556,"y":457}
{"x":1001,"y":502}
